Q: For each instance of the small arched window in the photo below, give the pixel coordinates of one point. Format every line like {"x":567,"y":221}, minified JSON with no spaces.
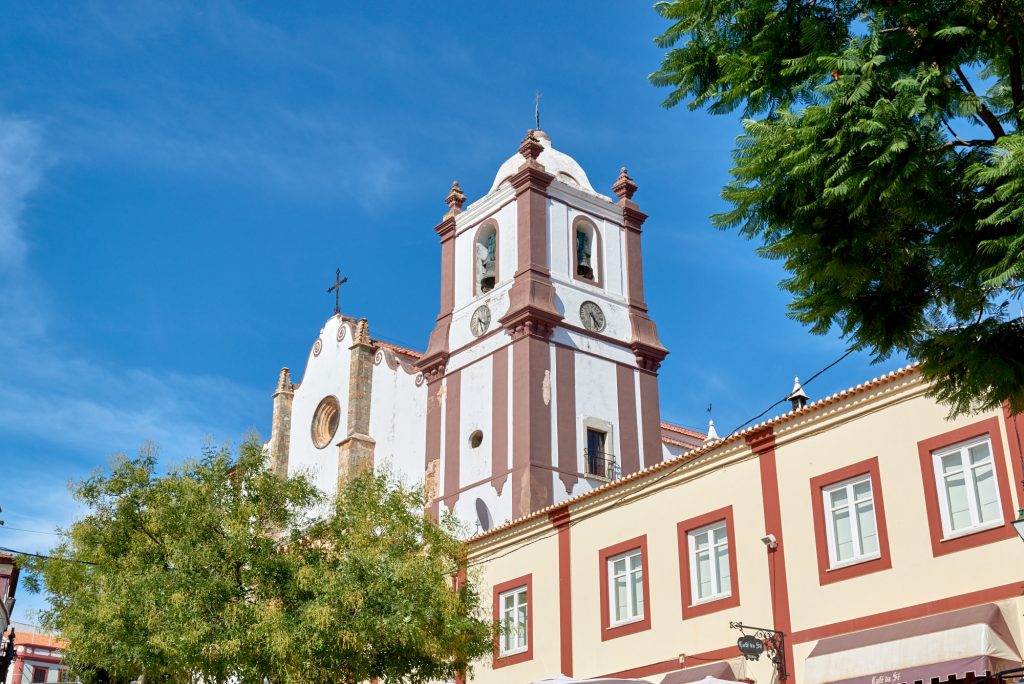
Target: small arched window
{"x":586,"y":251}
{"x":486,"y":258}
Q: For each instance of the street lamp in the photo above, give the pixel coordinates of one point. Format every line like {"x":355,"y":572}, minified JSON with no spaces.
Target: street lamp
{"x":1018,"y":524}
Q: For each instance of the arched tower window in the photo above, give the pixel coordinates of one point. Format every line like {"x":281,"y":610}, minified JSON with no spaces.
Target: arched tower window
{"x":486,"y":258}
{"x":586,"y":251}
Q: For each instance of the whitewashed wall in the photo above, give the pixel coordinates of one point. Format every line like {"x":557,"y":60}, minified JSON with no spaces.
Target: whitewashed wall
{"x":325,"y":374}
{"x":398,"y":421}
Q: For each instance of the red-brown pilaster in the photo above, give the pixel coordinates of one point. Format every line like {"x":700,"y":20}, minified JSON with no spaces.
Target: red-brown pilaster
{"x":762,"y":443}
{"x":452,"y":437}
{"x":565,"y":394}
{"x":432,"y":459}
{"x":530,"y":320}
{"x":645,"y":344}
{"x":560,"y":519}
{"x":629,"y":442}
{"x":435,"y":358}
{"x":650,"y":418}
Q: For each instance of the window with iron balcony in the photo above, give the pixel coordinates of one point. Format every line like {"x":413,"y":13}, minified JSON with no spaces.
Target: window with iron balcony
{"x":597,"y":461}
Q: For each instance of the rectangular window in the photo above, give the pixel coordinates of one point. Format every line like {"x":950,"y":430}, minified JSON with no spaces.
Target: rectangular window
{"x":38,"y":674}
{"x":514,"y":619}
{"x":599,"y":462}
{"x":851,"y":528}
{"x":709,"y":563}
{"x":511,"y":607}
{"x":626,"y":587}
{"x":966,"y":481}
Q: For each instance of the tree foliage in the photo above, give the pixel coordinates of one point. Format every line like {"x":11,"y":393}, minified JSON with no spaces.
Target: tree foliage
{"x":219,"y":571}
{"x":882,"y":160}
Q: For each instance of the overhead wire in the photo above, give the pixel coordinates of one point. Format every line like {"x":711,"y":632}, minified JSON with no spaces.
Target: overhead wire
{"x":22,"y":529}
{"x":650,"y":485}
{"x":45,"y":557}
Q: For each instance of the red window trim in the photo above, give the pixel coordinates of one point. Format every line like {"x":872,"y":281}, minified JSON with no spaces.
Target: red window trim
{"x":607,"y":630}
{"x":826,"y":574}
{"x":940,"y":546}
{"x":683,"y":530}
{"x":499,"y":589}
{"x":1014,"y":431}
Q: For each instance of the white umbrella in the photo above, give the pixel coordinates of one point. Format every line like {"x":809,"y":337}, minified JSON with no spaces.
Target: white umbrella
{"x":602,"y":680}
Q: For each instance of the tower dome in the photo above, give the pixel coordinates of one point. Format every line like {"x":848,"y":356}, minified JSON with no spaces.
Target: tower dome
{"x":563,"y":167}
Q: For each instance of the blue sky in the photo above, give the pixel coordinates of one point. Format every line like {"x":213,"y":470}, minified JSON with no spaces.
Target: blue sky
{"x":179,"y":181}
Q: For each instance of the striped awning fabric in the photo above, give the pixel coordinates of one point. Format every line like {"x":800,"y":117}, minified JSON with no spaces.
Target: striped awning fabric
{"x":948,"y":645}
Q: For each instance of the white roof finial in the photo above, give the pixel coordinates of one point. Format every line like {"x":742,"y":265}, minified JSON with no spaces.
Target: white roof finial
{"x":712,"y":433}
{"x":798,"y":398}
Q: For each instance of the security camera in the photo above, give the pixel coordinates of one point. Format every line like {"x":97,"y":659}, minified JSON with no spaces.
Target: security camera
{"x":770,"y":541}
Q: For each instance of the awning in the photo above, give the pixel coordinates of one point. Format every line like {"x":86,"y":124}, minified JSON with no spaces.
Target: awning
{"x":720,"y":671}
{"x":938,"y":646}
{"x":602,"y":680}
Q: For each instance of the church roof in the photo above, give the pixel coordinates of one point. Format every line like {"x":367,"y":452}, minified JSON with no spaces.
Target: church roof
{"x":401,"y":351}
{"x":696,"y":434}
{"x":563,"y":167}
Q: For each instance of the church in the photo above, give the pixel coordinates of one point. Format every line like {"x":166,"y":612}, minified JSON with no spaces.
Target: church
{"x":541,"y":284}
{"x":863,"y":538}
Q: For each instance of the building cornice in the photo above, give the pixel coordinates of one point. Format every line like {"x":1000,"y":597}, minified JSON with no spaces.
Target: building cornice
{"x":834,"y":407}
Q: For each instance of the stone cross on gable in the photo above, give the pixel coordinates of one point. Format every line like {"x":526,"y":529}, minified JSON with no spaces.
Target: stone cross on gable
{"x":336,"y":289}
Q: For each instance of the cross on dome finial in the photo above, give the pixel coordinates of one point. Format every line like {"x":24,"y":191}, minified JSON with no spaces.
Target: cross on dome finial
{"x":624,"y":186}
{"x":531,"y":147}
{"x":455,"y":199}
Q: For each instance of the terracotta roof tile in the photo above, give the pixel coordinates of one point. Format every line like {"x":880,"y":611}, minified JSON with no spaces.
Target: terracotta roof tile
{"x":398,"y":350}
{"x":685,"y":431}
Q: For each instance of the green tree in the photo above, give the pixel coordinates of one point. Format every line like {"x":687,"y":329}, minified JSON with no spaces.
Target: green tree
{"x":882,"y":160}
{"x":174,"y":576}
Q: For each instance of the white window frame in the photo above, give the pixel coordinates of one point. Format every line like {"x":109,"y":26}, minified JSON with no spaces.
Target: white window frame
{"x":972,"y":487}
{"x":614,"y":619}
{"x":520,"y":598}
{"x":691,"y":541}
{"x":859,"y":555}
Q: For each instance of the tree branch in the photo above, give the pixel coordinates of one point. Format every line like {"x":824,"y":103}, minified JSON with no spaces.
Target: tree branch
{"x":964,"y":143}
{"x":985,"y":113}
{"x":1016,"y":87}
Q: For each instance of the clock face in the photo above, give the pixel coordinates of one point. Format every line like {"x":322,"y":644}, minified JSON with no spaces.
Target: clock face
{"x":480,"y":321}
{"x":592,"y":316}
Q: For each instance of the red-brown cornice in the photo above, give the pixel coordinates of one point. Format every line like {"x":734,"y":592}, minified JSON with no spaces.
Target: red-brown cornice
{"x":632,"y":217}
{"x":531,"y":177}
{"x":446,"y":229}
{"x":530,"y":322}
{"x":761,"y":441}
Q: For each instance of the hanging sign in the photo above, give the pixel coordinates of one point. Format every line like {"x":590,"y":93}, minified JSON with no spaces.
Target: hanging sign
{"x":751,"y":647}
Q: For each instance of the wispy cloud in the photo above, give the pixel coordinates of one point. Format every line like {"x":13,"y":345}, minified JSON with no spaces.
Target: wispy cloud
{"x":63,"y":412}
{"x":21,"y":167}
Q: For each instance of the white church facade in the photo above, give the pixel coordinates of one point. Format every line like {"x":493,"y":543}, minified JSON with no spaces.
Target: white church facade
{"x":541,"y":286}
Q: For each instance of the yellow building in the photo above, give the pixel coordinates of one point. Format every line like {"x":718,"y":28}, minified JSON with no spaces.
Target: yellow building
{"x":869,"y":529}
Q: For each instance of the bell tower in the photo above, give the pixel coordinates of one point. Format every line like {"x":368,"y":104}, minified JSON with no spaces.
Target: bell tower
{"x":542,"y":365}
